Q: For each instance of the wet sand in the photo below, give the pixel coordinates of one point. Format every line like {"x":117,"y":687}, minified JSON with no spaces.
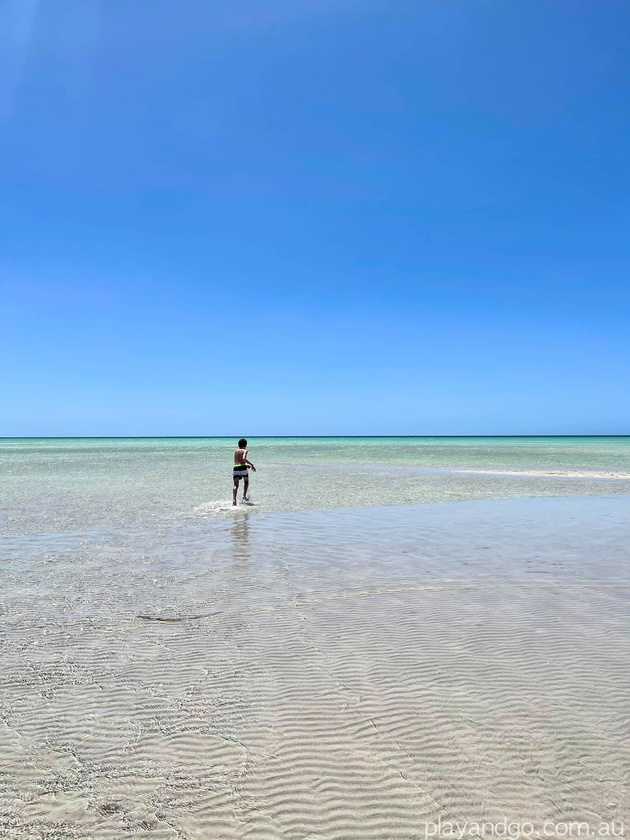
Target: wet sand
{"x":357,"y":674}
{"x":593,"y":474}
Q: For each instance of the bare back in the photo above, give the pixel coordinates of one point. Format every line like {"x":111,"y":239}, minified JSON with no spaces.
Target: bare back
{"x":240,"y":456}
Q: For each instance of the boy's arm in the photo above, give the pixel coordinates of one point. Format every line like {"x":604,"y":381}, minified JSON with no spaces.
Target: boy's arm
{"x":249,"y":462}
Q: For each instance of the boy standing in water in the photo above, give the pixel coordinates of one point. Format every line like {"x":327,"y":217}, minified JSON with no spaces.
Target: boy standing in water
{"x":241,"y":465}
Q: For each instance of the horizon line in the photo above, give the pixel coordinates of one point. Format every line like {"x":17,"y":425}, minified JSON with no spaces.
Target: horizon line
{"x":280,"y":437}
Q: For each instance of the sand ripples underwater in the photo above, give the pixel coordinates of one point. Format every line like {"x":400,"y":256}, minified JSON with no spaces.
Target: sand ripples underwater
{"x":350,"y":674}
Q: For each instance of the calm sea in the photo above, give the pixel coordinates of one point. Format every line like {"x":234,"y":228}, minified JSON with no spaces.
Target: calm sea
{"x":110,"y":516}
{"x":62,"y":484}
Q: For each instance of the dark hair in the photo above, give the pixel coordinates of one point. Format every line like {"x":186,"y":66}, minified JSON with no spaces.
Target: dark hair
{"x":242,"y":443}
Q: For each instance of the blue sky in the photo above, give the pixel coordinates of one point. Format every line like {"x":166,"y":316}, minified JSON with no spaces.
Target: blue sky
{"x":314,"y":217}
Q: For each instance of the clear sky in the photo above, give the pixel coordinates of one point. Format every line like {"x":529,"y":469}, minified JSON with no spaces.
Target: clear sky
{"x":314,"y":217}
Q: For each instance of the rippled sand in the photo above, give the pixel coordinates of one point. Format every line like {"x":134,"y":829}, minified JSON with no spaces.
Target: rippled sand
{"x":354,"y":674}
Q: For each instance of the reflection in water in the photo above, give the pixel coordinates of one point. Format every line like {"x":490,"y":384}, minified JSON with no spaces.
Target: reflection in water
{"x":240,"y":536}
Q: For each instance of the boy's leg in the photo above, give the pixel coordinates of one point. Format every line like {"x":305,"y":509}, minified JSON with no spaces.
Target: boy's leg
{"x":234,"y":491}
{"x":245,"y":486}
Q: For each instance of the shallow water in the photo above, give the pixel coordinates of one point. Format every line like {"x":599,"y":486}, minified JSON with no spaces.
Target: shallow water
{"x":310,"y":673}
{"x":55,"y":485}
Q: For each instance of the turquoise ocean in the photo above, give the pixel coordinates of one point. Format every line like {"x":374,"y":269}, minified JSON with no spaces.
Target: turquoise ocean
{"x":61,"y":484}
{"x":84,"y":504}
